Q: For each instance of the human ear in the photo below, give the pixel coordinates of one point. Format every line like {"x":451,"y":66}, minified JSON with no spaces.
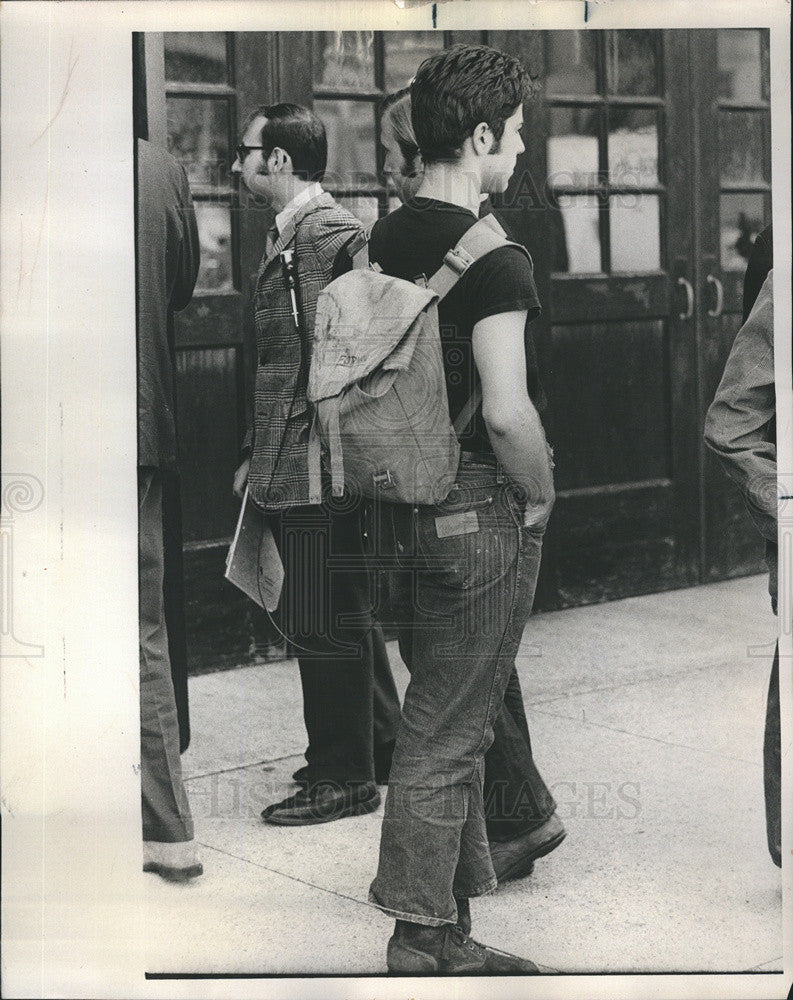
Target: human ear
{"x":279,"y":160}
{"x":482,"y":138}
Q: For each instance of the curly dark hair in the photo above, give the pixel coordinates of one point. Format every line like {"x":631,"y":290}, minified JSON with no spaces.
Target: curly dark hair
{"x":453,"y":91}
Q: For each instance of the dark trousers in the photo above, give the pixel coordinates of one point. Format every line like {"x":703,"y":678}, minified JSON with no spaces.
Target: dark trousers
{"x":326,"y":612}
{"x":516,"y":797}
{"x":772,"y":765}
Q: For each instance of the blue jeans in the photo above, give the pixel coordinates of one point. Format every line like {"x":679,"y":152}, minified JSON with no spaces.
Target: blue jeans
{"x":461,"y":578}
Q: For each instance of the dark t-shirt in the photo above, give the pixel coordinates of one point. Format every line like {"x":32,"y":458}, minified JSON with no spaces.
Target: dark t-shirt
{"x":412,"y":241}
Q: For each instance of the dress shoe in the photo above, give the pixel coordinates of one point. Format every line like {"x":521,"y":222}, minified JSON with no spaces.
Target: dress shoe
{"x":176,"y":862}
{"x":301,"y":775}
{"x":322,"y":803}
{"x":513,"y":859}
{"x":418,"y":950}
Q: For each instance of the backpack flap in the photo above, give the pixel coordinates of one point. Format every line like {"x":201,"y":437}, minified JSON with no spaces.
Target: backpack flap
{"x":362,"y":317}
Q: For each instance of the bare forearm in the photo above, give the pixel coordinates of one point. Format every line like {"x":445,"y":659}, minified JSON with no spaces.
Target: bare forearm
{"x":520,"y":446}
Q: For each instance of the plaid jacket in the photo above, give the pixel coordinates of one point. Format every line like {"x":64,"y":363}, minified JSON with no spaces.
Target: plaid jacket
{"x":278,"y":476}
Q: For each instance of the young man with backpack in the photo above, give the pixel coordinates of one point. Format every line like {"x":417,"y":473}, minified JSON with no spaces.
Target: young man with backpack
{"x":325,"y":607}
{"x":463,"y":571}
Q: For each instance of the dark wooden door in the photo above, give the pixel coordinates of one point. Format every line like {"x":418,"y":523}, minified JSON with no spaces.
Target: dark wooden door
{"x":617,"y":149}
{"x":730,"y":91}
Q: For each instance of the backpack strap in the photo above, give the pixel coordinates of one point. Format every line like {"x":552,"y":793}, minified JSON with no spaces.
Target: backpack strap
{"x":484,"y":236}
{"x":466,"y":415}
{"x":328,"y":410}
{"x":331,"y":407}
{"x":314,"y":463}
{"x":358,"y":248}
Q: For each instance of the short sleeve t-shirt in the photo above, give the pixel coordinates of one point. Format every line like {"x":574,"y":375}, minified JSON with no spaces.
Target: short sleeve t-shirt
{"x":412,"y":241}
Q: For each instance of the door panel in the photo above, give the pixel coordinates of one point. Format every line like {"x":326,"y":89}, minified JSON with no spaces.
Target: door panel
{"x":592,"y":387}
{"x":208,"y":380}
{"x":733,"y":205}
{"x":607,"y":143}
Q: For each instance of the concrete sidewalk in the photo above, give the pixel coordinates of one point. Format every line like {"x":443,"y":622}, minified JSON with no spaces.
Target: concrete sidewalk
{"x":646,"y":718}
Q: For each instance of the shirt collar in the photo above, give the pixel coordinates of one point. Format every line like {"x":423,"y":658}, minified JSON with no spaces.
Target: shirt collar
{"x":294,"y":206}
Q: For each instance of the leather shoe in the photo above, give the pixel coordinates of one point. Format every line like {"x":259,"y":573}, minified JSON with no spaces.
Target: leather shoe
{"x":514,"y":859}
{"x":322,"y":803}
{"x":418,"y":950}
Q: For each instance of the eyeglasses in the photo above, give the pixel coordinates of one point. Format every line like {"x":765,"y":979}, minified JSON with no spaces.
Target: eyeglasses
{"x":242,"y":151}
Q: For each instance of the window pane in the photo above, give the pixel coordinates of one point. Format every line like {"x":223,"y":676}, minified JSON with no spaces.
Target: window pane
{"x":739,"y":64}
{"x":633,"y":146}
{"x":571,"y":58}
{"x":635,"y":232}
{"x":361,"y":207}
{"x":351,"y":142}
{"x":633,"y":62}
{"x":573,"y":147}
{"x":195,"y":56}
{"x":198,"y":136}
{"x":405,"y":51}
{"x":742,"y":218}
{"x":344,"y":60}
{"x":741,"y":146}
{"x":393,"y":203}
{"x":214,"y":231}
{"x":576,"y":234}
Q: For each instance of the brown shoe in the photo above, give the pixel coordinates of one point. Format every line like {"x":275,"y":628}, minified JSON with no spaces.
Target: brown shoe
{"x":176,"y":862}
{"x":418,"y":950}
{"x":514,"y":859}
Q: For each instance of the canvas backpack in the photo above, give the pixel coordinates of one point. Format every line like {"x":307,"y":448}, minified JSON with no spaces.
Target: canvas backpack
{"x":377,"y":381}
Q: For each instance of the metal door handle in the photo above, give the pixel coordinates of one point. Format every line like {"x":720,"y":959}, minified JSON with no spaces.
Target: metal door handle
{"x":719,"y":307}
{"x":689,"y":298}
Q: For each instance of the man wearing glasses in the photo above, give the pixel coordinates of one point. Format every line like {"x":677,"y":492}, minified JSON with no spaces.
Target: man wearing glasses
{"x":325,"y":606}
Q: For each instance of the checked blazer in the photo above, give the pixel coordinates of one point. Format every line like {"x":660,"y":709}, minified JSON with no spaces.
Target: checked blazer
{"x":278,"y":441}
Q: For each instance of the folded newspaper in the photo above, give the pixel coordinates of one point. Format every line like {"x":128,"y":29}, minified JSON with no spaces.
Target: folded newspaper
{"x":253,"y":563}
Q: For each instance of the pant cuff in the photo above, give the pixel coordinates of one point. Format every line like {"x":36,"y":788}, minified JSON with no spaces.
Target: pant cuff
{"x":413,"y":918}
{"x":481,"y":889}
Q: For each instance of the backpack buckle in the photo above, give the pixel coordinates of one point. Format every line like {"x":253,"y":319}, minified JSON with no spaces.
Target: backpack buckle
{"x":383,"y":480}
{"x":458,"y":259}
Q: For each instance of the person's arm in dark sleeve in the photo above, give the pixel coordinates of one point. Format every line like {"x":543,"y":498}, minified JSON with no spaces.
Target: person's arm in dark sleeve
{"x":736,"y":426}
{"x":190,"y":248}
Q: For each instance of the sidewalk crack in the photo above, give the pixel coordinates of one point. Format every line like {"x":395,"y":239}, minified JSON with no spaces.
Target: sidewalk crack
{"x":652,"y":739}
